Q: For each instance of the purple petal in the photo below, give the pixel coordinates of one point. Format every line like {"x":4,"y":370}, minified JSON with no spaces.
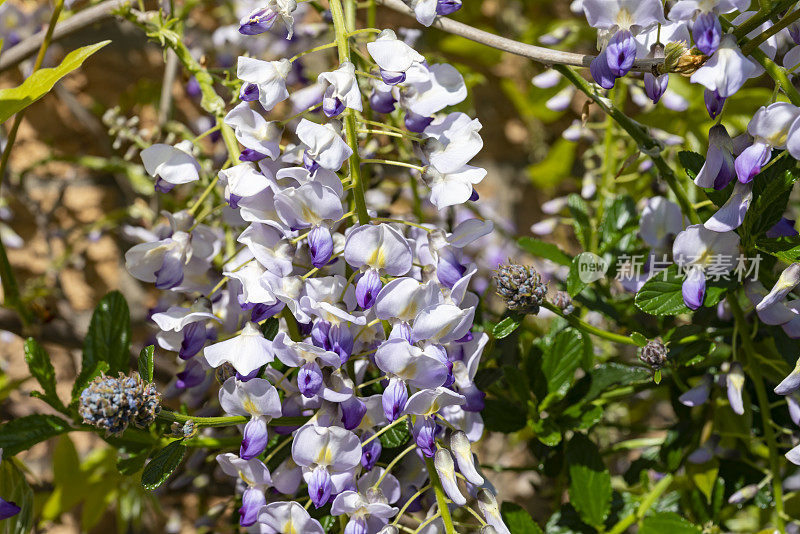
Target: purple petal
{"x":694,"y":288}
{"x":707,"y":33}
{"x":255,"y":438}
{"x":750,"y":161}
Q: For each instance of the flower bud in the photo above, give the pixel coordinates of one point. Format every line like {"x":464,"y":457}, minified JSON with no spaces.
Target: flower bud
{"x":424,"y":431}
{"x":367,"y":288}
{"x":309,"y":379}
{"x":520,"y":287}
{"x":320,"y":245}
{"x":735,"y":384}
{"x":394,"y":399}
{"x":563,"y":302}
{"x":744,"y":494}
{"x":320,"y":486}
{"x":707,"y":33}
{"x":114,"y":403}
{"x":487,"y":504}
{"x":417,"y":123}
{"x":714,"y":103}
{"x":621,"y":53}
{"x":654,"y":354}
{"x":353,"y":411}
{"x":443,"y":462}
{"x":194,"y":337}
{"x":655,"y":86}
{"x":252,"y":501}
{"x":382,"y":101}
{"x":370,"y":453}
{"x":459,"y":444}
{"x":255,"y":438}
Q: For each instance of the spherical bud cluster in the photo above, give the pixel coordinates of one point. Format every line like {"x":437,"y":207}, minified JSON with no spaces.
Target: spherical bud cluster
{"x":654,"y":354}
{"x":521,"y":287}
{"x":114,"y":403}
{"x":563,"y":302}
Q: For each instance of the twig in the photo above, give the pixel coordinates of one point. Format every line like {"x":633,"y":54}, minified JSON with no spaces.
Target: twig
{"x":536,"y":53}
{"x":26,"y":48}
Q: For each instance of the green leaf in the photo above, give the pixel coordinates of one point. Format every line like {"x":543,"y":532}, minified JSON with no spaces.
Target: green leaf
{"x":580,"y":219}
{"x":502,"y":416}
{"x":771,"y":191}
{"x":662,"y":297}
{"x":146,"y":363}
{"x":540,"y":249}
{"x":692,"y":162}
{"x":38,"y":84}
{"x":561,"y":360}
{"x":14,"y":488}
{"x":590,"y":481}
{"x":786,"y":249}
{"x":108,"y":340}
{"x":518,"y":520}
{"x":508,"y":325}
{"x":42,"y":369}
{"x":605,"y":375}
{"x":617,"y":220}
{"x":574,"y":283}
{"x":23,"y":433}
{"x":158,"y":470}
{"x":270,"y":328}
{"x":667,"y":523}
{"x":395,"y":437}
{"x":639,"y":339}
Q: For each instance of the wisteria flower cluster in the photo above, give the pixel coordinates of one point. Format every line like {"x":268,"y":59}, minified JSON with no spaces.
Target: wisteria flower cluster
{"x":358,"y":299}
{"x":338,"y":319}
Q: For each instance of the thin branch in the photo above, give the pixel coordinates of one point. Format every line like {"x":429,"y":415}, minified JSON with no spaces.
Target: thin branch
{"x":536,"y":53}
{"x":26,"y":48}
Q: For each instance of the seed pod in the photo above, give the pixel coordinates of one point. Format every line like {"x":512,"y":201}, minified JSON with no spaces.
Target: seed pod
{"x":654,"y":354}
{"x":114,"y":403}
{"x":563,"y":302}
{"x":521,"y":287}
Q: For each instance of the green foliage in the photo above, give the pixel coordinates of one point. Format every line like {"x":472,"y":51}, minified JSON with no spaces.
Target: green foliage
{"x":540,"y":249}
{"x":667,"y":523}
{"x":590,"y":481}
{"x":23,"y":433}
{"x":508,"y":325}
{"x":108,"y":342}
{"x":162,"y":465}
{"x":38,"y":84}
{"x":42,"y":370}
{"x":518,"y":520}
{"x":146,"y":363}
{"x":395,"y":437}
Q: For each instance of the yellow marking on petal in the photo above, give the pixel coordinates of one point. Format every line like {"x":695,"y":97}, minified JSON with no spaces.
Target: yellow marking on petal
{"x":325,"y":456}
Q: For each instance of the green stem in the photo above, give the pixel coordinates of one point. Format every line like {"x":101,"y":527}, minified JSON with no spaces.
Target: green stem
{"x":342,"y":43}
{"x":441,"y":500}
{"x":648,"y":502}
{"x":639,"y":133}
{"x":759,"y":18}
{"x":171,"y":417}
{"x":775,"y":28}
{"x":763,"y":405}
{"x":589,"y":329}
